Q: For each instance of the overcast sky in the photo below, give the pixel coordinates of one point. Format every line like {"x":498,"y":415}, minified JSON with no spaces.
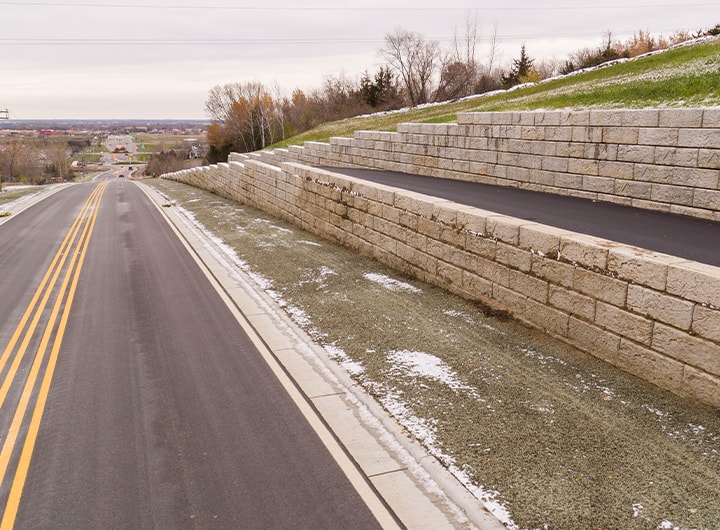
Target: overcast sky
{"x":159,"y":58}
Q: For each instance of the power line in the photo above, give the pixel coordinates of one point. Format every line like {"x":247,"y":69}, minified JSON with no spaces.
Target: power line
{"x":123,"y":41}
{"x":85,"y":5}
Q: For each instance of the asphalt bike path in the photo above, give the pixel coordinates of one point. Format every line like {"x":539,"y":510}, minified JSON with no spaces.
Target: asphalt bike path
{"x":677,"y":235}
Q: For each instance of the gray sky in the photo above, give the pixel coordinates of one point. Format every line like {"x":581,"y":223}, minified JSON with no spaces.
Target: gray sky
{"x":159,"y":58}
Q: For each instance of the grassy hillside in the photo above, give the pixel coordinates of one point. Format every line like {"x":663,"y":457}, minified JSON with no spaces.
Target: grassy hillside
{"x":686,"y":76}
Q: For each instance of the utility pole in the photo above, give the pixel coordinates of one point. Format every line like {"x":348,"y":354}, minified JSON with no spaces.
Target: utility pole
{"x":4,"y":114}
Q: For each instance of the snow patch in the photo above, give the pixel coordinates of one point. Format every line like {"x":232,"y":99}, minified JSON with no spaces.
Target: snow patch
{"x":420,"y":364}
{"x":354,"y":368}
{"x":390,"y":283}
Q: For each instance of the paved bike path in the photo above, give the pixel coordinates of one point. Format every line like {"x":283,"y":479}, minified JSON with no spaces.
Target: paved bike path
{"x":677,"y":235}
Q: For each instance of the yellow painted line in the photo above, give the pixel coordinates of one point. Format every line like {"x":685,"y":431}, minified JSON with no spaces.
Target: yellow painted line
{"x":18,"y":484}
{"x":56,"y":267}
{"x":14,"y":430}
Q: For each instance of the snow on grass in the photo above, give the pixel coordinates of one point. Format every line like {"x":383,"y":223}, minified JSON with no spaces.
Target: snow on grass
{"x":336,"y":353}
{"x":420,"y":364}
{"x":318,"y":277}
{"x":391,"y":284}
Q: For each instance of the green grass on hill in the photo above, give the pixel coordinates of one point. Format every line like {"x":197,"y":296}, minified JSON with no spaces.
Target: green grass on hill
{"x":686,"y":76}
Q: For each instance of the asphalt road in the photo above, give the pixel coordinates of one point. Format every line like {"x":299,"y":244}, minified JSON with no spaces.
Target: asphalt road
{"x":139,"y":402}
{"x":676,"y":235}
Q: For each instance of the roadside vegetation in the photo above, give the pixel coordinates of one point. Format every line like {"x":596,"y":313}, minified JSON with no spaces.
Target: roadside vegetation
{"x":419,"y":81}
{"x":683,"y":76}
{"x":40,"y":159}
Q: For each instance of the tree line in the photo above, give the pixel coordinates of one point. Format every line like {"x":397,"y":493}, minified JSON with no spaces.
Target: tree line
{"x":250,"y":116}
{"x":36,"y":159}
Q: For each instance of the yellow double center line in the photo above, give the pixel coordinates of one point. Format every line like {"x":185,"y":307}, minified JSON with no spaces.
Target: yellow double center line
{"x":74,"y":246}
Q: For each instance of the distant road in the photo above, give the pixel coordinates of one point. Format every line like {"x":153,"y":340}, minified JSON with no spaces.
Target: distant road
{"x":131,"y":397}
{"x":685,"y":237}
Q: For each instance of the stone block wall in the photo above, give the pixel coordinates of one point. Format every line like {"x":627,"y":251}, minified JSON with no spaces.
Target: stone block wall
{"x":658,"y":159}
{"x":653,"y":315}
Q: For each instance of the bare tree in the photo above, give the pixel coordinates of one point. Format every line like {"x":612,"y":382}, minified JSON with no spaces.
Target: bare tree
{"x":415,"y":59}
{"x":17,"y":159}
{"x":246,"y":114}
{"x":10,"y":155}
{"x":493,"y":51}
{"x":466,"y":46}
{"x":459,"y":69}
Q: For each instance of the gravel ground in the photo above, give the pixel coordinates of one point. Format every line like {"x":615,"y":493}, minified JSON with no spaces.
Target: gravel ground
{"x":546,"y":436}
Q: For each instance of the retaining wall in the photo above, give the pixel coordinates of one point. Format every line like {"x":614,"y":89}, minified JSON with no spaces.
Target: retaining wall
{"x":659,"y":159}
{"x":653,"y":315}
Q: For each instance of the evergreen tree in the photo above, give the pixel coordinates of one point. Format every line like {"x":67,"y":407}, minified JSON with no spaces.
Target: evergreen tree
{"x":520,"y":70}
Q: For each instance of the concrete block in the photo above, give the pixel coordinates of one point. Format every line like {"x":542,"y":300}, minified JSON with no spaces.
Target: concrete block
{"x":711,"y":118}
{"x":608,"y":118}
{"x":586,"y":134}
{"x":541,"y":239}
{"x":708,"y":158}
{"x":706,"y":322}
{"x":677,"y":195}
{"x":556,"y":164}
{"x":558,"y":134}
{"x":694,"y":282}
{"x":619,"y":135}
{"x":583,"y":166}
{"x":584,"y":250}
{"x":569,"y":181}
{"x":658,"y":136}
{"x":640,"y":118}
{"x":476,"y":286}
{"x":506,"y":229}
{"x":449,"y":275}
{"x":513,"y":257}
{"x":706,"y":199}
{"x":623,"y":323}
{"x":695,"y":351}
{"x":574,"y":118}
{"x":661,"y":307}
{"x":616,"y":170}
{"x":702,"y":138}
{"x":593,"y":339}
{"x":653,"y":173}
{"x":573,"y":303}
{"x":650,"y":365}
{"x":598,"y":184}
{"x":547,"y":119}
{"x":633,"y":190}
{"x":554,"y":271}
{"x":680,"y":117}
{"x":600,"y":286}
{"x":640,"y":266}
{"x":474,"y":118}
{"x":696,"y":178}
{"x":675,"y":156}
{"x":701,"y":385}
{"x":639,"y":154}
{"x":545,"y":318}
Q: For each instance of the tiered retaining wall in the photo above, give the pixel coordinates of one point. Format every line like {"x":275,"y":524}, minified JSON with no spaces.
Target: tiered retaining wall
{"x":653,"y":315}
{"x":660,"y":159}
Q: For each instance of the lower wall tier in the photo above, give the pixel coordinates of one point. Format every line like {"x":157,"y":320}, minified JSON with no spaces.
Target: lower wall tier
{"x":654,"y":315}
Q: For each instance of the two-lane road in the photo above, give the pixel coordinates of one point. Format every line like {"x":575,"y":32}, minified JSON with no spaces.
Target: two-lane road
{"x":131,"y":397}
